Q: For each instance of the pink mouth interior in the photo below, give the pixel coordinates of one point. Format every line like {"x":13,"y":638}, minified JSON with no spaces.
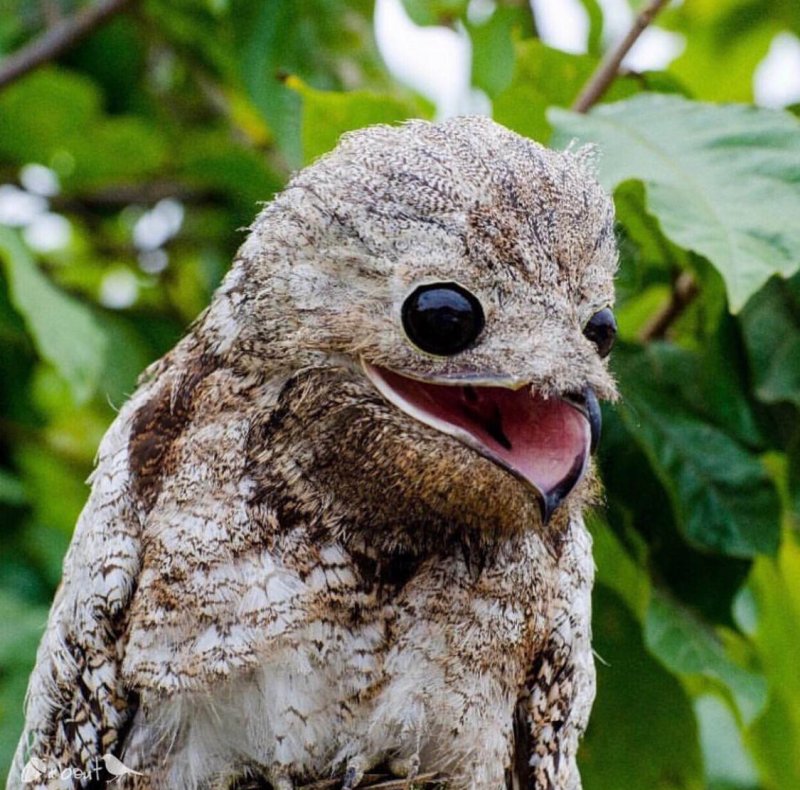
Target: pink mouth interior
{"x":544,"y":441}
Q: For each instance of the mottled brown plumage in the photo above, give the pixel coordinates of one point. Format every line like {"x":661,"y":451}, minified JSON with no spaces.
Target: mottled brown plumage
{"x":282,"y":574}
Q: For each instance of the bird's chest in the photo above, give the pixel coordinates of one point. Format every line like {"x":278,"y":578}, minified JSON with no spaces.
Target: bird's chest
{"x":294,"y":711}
{"x":319,"y":667}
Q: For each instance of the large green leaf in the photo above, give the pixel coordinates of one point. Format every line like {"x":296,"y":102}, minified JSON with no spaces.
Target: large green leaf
{"x":642,"y":734}
{"x":722,"y":180}
{"x":721,"y":494}
{"x":642,"y":517}
{"x":687,"y":646}
{"x":63,"y":330}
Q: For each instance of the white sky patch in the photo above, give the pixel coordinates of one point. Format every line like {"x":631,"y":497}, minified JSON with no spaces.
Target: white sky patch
{"x":434,"y":61}
{"x":157,"y":226}
{"x":776,"y":82}
{"x":39,"y":180}
{"x":48,"y":232}
{"x":119,"y":289}
{"x":480,"y":11}
{"x":655,"y":49}
{"x":562,"y":24}
{"x":617,"y":18}
{"x":153,"y":261}
{"x":18,"y":207}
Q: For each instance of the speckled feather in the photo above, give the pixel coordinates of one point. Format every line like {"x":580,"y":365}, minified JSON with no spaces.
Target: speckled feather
{"x":279,"y":574}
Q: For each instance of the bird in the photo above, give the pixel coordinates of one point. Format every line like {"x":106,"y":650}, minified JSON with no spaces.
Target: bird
{"x":116,"y":767}
{"x":337,"y":532}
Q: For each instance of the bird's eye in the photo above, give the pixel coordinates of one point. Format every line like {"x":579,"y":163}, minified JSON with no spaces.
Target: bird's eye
{"x":602,"y":331}
{"x":442,"y":318}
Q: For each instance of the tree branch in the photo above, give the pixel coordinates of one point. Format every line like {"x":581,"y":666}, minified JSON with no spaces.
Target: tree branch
{"x":684,"y":290}
{"x":685,"y":287}
{"x":59,"y":38}
{"x":608,"y":69}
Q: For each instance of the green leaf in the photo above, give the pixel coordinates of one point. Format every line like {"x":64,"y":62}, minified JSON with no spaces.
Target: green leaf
{"x":39,"y":113}
{"x":435,"y":12}
{"x":793,"y":477}
{"x":12,"y":492}
{"x":22,"y":628}
{"x":732,"y":61}
{"x":116,"y":149}
{"x":493,"y":49}
{"x":63,"y":330}
{"x":771,"y":326}
{"x":711,"y":381}
{"x":263,"y":61}
{"x":727,"y":763}
{"x":642,"y":734}
{"x":722,"y":180}
{"x":327,"y":115}
{"x":726,"y":38}
{"x":319,"y":41}
{"x":53,"y":114}
{"x":596,"y":19}
{"x":211,"y":160}
{"x":686,"y":646}
{"x":722,"y":497}
{"x":616,"y":569}
{"x":775,"y":737}
{"x":544,"y":77}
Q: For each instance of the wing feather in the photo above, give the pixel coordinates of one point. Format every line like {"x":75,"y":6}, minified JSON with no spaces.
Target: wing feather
{"x":76,"y":705}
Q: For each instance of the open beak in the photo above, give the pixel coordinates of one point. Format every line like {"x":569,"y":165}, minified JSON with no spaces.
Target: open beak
{"x":546,"y":442}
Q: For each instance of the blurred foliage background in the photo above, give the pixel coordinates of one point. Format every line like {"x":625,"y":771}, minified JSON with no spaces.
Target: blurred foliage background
{"x":130,"y":164}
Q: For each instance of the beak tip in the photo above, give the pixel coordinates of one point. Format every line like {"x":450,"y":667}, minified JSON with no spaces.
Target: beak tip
{"x":594,"y":415}
{"x":547,"y":505}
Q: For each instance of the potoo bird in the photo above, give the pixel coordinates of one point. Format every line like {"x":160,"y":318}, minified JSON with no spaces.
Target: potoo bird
{"x":338,"y":528}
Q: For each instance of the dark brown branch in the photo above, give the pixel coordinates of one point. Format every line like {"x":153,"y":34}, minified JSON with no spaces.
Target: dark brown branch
{"x":608,"y":69}
{"x":684,"y":291}
{"x":124,"y":194}
{"x":59,"y":38}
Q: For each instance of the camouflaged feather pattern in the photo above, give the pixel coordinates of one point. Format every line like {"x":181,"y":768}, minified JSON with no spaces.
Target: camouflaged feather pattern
{"x":278,"y":574}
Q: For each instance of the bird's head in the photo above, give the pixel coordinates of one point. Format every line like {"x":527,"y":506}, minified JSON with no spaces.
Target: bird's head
{"x":444,"y":292}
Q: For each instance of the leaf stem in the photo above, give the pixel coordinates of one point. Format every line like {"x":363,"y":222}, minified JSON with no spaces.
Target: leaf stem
{"x":59,"y":38}
{"x":608,"y":69}
{"x":684,"y":291}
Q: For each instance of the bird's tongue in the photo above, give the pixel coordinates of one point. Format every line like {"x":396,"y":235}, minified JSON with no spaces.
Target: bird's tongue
{"x":546,"y":441}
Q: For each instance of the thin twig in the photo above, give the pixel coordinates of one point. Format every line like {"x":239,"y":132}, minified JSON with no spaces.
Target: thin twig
{"x":684,"y":290}
{"x":59,"y":38}
{"x":51,"y":12}
{"x":608,"y":69}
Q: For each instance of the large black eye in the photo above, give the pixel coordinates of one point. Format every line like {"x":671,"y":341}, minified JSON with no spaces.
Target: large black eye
{"x":602,"y":331}
{"x":442,"y":318}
